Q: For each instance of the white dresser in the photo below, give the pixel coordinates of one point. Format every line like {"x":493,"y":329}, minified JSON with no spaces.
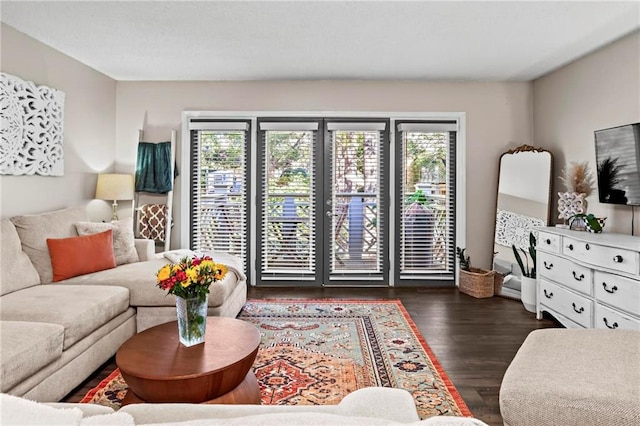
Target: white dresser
{"x":588,"y":280}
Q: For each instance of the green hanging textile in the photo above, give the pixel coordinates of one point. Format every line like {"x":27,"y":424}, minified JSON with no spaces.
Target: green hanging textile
{"x":153,"y":168}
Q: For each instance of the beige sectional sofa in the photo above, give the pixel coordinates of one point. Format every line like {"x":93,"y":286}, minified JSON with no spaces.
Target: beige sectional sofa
{"x":53,"y":335}
{"x":367,"y":407}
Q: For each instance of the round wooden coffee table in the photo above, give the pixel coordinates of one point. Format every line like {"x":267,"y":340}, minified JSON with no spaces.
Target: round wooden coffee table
{"x":157,"y":368}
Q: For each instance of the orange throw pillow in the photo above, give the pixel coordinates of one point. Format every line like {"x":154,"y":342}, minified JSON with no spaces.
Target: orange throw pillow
{"x":75,"y":256}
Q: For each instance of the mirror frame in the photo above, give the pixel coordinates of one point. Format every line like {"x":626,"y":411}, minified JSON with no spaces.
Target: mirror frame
{"x":547,"y":220}
{"x":527,"y":148}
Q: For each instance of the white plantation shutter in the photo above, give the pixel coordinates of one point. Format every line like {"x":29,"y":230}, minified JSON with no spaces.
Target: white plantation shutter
{"x":357,"y":216}
{"x":425,"y":218}
{"x":219,"y":186}
{"x":288,"y":243}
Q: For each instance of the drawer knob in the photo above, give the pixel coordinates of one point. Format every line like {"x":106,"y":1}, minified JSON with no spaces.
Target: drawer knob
{"x":586,"y":246}
{"x":579,"y":311}
{"x":578,"y":278}
{"x":548,"y":295}
{"x":548,"y":266}
{"x":548,"y":241}
{"x":617,"y":258}
{"x":613,"y":289}
{"x":570,"y":246}
{"x":612,"y":326}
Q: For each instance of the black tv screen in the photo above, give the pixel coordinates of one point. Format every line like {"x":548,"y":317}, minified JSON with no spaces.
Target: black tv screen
{"x":618,"y":160}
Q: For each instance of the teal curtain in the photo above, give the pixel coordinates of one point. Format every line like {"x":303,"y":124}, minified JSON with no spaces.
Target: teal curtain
{"x":153,"y":168}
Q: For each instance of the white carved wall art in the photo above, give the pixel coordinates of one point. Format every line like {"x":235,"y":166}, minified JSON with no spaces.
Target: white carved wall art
{"x":514,"y":228}
{"x":32,"y":128}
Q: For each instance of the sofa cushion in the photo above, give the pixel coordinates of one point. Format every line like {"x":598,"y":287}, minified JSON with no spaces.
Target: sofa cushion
{"x":16,"y":270}
{"x":123,"y":240}
{"x":21,"y":411}
{"x":574,"y":377}
{"x":35,"y":229}
{"x":79,"y":309}
{"x":140,"y":279}
{"x":26,"y":348}
{"x":81,"y":255}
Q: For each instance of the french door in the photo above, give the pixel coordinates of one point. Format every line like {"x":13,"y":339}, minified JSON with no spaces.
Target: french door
{"x":322,"y":202}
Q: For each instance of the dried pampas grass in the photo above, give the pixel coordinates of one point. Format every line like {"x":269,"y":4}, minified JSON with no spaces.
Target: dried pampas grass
{"x":578,"y":178}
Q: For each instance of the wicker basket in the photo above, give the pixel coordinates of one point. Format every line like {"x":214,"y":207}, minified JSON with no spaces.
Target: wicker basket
{"x":478,"y":283}
{"x":498,"y":280}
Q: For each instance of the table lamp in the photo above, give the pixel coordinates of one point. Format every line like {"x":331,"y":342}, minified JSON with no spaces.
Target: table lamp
{"x":114,"y":186}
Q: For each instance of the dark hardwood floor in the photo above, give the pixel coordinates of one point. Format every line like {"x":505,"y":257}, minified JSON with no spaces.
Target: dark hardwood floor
{"x":474,"y":339}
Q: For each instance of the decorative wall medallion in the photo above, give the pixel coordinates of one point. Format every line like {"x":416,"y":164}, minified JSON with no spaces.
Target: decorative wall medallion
{"x":32,"y":128}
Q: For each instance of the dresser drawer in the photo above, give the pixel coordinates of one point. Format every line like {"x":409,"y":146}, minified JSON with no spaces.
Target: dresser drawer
{"x":567,"y":303}
{"x":548,"y":242}
{"x":617,"y":291}
{"x":612,"y":319}
{"x":607,"y":257}
{"x":565,"y":272}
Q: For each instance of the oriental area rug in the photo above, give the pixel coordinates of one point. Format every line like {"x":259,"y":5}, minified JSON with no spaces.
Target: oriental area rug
{"x":315,"y":352}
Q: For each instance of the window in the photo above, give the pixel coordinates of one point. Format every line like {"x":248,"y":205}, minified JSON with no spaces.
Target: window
{"x":425,"y":204}
{"x":219,"y":186}
{"x":288,"y":198}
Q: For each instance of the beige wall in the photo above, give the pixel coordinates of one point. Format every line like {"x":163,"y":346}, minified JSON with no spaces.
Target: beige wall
{"x":498,"y":117}
{"x":598,"y":91}
{"x":89,"y":128}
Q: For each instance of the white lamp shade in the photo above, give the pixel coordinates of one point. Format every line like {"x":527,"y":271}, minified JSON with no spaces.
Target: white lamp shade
{"x":114,"y":186}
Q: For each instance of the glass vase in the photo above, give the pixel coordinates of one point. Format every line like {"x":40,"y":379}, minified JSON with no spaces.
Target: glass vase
{"x":192,"y":320}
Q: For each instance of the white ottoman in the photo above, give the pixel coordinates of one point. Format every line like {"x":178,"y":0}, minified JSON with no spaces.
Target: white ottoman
{"x":574,"y":377}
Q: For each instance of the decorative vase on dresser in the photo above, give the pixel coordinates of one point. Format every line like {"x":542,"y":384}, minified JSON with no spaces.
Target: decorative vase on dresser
{"x":589,"y":280}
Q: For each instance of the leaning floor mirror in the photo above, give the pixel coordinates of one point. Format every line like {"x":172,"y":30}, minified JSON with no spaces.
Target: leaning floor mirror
{"x":523,"y":203}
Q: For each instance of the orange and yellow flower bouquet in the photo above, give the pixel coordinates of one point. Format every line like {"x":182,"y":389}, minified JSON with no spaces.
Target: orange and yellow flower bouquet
{"x":191,"y":277}
{"x":189,"y":281}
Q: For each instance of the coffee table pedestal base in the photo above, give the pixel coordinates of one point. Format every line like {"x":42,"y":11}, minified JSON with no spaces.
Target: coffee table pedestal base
{"x":247,"y":392}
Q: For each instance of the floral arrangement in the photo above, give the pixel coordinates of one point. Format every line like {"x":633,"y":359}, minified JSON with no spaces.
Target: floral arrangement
{"x":579,"y":181}
{"x":191,"y":277}
{"x":578,"y":178}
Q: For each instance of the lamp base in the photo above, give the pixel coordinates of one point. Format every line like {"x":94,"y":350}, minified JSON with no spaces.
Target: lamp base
{"x":114,"y":215}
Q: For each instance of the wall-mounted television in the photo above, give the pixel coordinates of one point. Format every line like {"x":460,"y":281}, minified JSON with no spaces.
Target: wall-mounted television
{"x":618,"y":164}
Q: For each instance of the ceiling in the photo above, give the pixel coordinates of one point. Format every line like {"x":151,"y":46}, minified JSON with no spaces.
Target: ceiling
{"x":264,"y":40}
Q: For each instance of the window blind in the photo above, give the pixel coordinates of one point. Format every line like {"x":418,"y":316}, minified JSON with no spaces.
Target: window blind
{"x":426,"y":201}
{"x":287,"y":201}
{"x":357,"y":216}
{"x":219,"y":186}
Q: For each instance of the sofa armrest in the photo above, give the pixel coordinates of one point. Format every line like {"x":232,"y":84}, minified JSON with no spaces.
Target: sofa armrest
{"x":146,"y":249}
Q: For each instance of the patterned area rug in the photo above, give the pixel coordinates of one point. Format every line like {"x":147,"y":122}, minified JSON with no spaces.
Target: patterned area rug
{"x":315,"y":352}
